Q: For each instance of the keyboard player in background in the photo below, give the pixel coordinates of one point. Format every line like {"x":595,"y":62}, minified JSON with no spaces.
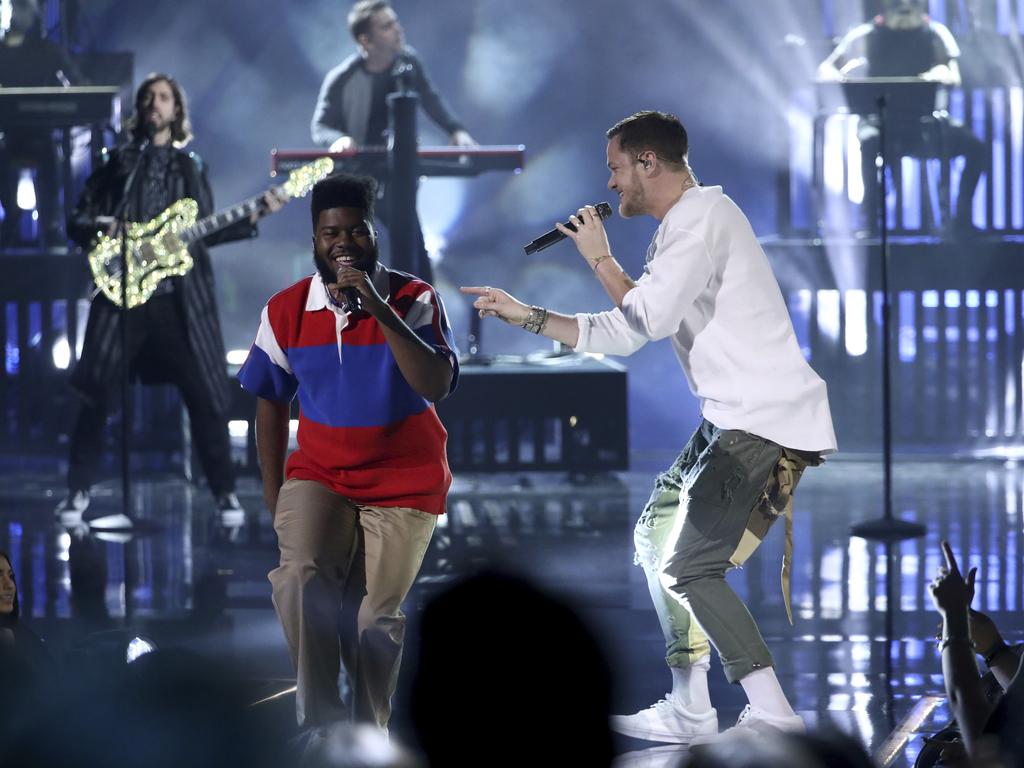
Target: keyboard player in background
{"x":352,"y":109}
{"x":904,"y":42}
{"x":28,"y":60}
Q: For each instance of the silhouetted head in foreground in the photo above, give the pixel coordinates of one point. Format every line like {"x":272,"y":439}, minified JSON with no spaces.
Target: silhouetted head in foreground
{"x":508,"y":675}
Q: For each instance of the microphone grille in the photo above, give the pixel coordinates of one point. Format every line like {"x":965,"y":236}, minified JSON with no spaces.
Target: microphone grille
{"x":604,"y":210}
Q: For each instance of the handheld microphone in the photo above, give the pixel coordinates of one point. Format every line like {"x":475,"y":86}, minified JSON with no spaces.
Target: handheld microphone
{"x":550,"y":238}
{"x":353,"y":303}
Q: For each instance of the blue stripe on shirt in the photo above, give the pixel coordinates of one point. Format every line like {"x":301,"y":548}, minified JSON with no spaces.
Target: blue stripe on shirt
{"x":366,"y":389}
{"x":263,"y":378}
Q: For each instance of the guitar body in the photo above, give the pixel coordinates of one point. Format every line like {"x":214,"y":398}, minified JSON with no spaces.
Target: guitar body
{"x":155,"y":251}
{"x":159,"y":248}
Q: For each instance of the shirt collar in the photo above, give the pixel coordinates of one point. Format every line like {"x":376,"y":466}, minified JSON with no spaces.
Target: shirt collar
{"x":318,"y":297}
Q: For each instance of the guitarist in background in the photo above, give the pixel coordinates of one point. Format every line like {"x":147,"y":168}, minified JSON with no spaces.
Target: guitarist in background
{"x":175,"y":336}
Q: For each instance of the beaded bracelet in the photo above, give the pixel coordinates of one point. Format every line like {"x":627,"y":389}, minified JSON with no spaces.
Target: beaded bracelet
{"x":989,"y":657}
{"x":955,"y":641}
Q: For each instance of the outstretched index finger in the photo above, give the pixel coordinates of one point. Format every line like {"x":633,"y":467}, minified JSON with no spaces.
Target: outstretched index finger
{"x":947,"y":551}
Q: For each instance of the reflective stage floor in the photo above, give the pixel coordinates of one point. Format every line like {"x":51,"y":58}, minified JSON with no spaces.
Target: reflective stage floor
{"x":182,"y":582}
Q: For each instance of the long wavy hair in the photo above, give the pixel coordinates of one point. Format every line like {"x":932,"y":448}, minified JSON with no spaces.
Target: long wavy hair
{"x":12,"y":617}
{"x":181,"y":128}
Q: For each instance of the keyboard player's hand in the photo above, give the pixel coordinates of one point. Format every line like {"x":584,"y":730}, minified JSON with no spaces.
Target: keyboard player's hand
{"x":462,"y":139}
{"x":344,"y":144}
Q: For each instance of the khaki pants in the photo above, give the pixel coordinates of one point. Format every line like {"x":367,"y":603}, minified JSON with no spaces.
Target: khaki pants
{"x":345,"y":570}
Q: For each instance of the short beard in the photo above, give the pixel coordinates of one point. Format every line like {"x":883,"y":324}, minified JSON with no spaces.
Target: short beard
{"x":325,"y":272}
{"x":633,"y":205}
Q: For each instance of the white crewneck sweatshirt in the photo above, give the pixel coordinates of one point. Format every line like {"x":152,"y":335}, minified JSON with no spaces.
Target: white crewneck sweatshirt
{"x":708,"y":287}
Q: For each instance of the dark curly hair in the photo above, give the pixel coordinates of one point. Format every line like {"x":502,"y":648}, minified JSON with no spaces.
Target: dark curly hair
{"x":343,"y":190}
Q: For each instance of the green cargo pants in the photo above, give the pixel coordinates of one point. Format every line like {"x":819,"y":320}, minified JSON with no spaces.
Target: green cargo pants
{"x":708,"y":512}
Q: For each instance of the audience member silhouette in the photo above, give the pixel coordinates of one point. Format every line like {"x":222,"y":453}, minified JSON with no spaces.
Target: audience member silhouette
{"x":986,"y":730}
{"x":22,"y":653}
{"x":500,"y":663}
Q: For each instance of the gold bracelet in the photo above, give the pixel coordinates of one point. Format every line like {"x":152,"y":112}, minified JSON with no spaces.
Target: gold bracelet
{"x":598,"y":260}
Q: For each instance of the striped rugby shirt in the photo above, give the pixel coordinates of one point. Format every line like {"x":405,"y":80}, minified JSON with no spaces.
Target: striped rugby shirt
{"x":363,"y":431}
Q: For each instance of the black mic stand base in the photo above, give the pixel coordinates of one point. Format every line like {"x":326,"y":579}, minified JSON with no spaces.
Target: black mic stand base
{"x":887,"y":529}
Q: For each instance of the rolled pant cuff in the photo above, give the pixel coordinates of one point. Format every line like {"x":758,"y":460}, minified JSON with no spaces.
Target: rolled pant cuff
{"x":686,"y":659}
{"x":737,"y":670}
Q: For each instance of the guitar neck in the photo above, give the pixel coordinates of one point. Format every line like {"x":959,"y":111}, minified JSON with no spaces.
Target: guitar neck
{"x":221,"y":219}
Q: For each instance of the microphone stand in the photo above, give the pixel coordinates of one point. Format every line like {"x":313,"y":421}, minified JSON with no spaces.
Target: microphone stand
{"x":403,"y":171}
{"x":888,"y":528}
{"x":121,"y":218}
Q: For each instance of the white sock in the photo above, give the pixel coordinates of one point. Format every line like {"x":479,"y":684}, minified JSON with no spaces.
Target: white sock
{"x":764,"y":692}
{"x":690,"y":685}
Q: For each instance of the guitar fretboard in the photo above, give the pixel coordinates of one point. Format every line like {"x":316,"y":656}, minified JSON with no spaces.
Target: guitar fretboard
{"x":221,"y":220}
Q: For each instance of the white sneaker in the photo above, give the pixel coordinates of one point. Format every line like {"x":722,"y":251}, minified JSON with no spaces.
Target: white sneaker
{"x":232,"y":513}
{"x":756,"y":722}
{"x":69,"y":511}
{"x":667,"y":721}
{"x":117,"y":521}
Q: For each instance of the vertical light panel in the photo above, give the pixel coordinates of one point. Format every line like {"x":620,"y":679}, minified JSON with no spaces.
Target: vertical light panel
{"x":998,"y":169}
{"x":951,"y":300}
{"x":831,"y":570}
{"x":1004,"y":24}
{"x":857,"y":579}
{"x":12,"y":352}
{"x":910,"y":170}
{"x":979,"y":203}
{"x":908,"y":565}
{"x":1009,"y":392}
{"x":60,"y":352}
{"x":856,"y":322}
{"x":956,"y":164}
{"x":1016,"y":131}
{"x":801,"y":141}
{"x":828,"y":314}
{"x":855,"y":181}
{"x":907,"y":338}
{"x":800,"y":312}
{"x":833,"y":154}
{"x":933,"y":181}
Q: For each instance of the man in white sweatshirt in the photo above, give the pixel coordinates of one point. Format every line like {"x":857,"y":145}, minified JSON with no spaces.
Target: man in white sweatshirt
{"x":708,"y":287}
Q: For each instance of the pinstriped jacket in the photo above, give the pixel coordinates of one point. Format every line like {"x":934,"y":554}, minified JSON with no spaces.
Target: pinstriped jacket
{"x":101,"y":351}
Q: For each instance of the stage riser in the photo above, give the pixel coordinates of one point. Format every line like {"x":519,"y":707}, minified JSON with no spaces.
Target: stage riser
{"x":957,"y":340}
